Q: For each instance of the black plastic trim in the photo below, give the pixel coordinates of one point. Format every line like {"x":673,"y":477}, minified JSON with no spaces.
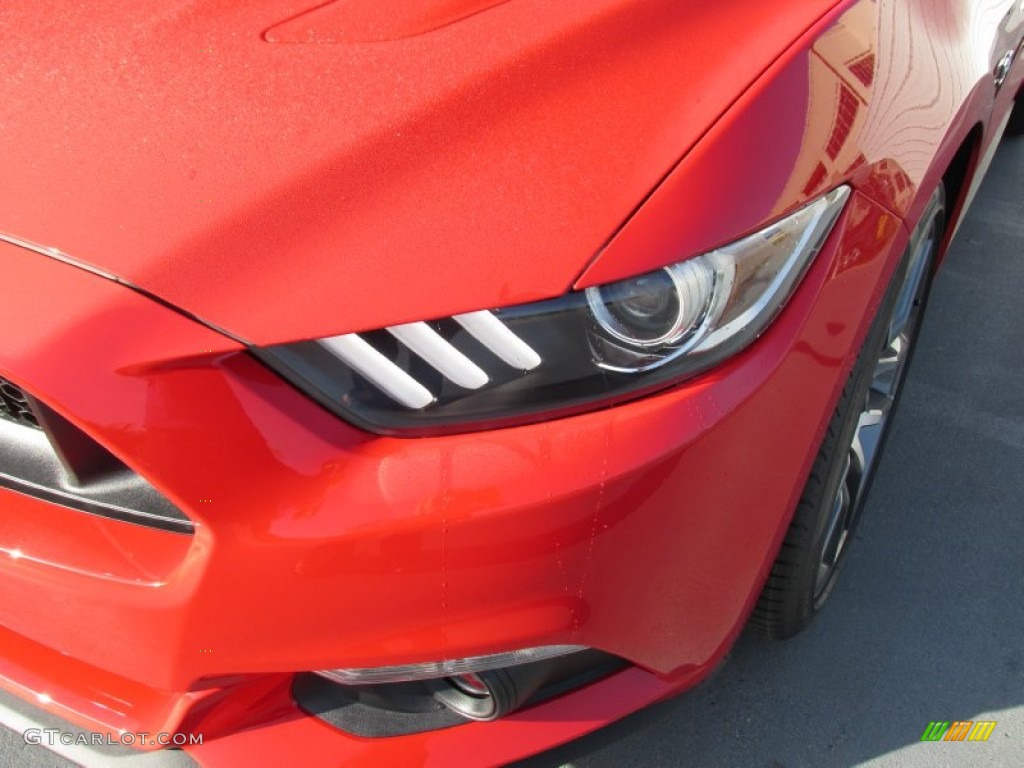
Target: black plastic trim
{"x":29,"y":464}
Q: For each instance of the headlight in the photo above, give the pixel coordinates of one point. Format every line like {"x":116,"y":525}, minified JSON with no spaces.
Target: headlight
{"x":584,"y":349}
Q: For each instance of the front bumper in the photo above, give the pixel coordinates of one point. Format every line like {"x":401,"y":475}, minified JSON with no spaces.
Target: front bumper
{"x":643,"y":530}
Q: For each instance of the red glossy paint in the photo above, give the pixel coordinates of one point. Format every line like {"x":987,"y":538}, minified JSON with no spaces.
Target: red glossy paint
{"x":282,"y":172}
{"x":476,"y":165}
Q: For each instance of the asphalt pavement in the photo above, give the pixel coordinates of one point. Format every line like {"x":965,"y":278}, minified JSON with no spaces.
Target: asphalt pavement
{"x":927,"y":621}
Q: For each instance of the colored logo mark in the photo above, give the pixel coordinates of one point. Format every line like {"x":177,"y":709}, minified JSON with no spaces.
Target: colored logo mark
{"x":958,"y":730}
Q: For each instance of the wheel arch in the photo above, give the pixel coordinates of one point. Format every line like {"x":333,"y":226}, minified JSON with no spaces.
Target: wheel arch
{"x":957,"y":179}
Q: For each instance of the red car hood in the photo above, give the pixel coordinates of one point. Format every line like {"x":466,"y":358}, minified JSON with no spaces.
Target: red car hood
{"x":285,"y":173}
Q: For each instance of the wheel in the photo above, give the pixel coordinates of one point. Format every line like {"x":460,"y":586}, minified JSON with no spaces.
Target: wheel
{"x":826,"y":516}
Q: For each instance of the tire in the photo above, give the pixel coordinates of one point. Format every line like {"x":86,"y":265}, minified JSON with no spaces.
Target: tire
{"x":825,"y":519}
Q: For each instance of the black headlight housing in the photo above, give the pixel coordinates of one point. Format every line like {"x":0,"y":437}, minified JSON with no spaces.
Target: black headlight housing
{"x":579,"y":351}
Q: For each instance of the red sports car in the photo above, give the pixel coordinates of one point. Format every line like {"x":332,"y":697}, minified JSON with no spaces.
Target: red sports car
{"x":436,"y":381}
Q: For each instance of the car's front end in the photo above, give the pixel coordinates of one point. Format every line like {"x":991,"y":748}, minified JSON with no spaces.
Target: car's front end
{"x":357,"y":389}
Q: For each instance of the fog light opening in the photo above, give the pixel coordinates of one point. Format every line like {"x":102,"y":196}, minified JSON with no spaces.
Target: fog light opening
{"x":476,"y":687}
{"x":495,"y":693}
{"x":383,"y":708}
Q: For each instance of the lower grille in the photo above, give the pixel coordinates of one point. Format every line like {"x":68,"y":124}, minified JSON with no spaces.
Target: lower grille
{"x":14,"y":406}
{"x":56,"y":461}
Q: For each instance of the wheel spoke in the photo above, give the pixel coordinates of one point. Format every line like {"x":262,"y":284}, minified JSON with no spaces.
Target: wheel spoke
{"x":889,"y":367}
{"x":864,"y":450}
{"x":835,"y":537}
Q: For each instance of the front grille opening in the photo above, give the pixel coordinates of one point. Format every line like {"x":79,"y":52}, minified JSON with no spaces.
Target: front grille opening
{"x":14,"y":405}
{"x":44,"y":455}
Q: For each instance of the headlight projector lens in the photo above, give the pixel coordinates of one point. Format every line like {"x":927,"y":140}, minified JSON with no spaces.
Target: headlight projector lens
{"x":657,"y":308}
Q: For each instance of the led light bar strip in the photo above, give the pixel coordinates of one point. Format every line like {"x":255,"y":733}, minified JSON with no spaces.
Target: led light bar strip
{"x":431,"y":346}
{"x":435,"y":669}
{"x":493,"y":334}
{"x":392,"y":380}
{"x":428,"y":344}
